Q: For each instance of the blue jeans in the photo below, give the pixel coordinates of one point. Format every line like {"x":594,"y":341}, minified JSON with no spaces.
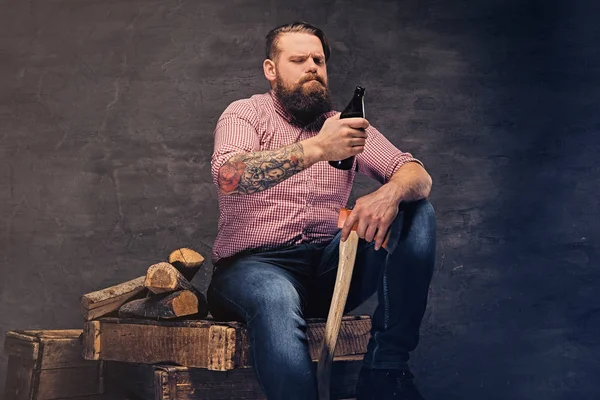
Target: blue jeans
{"x":274,"y":291}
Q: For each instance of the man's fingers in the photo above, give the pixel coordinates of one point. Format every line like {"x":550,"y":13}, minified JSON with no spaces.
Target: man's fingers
{"x":348,"y":224}
{"x":370,"y":233}
{"x":379,"y":238}
{"x":358,"y":133}
{"x":356,"y":142}
{"x":357,"y":123}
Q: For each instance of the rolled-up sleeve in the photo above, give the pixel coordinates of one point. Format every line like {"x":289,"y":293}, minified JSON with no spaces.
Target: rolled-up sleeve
{"x":381,"y":159}
{"x":236,"y":132}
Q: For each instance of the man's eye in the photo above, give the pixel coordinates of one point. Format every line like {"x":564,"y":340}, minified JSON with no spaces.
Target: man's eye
{"x":318,"y":61}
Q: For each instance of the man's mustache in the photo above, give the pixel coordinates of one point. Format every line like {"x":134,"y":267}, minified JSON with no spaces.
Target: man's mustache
{"x":314,"y":78}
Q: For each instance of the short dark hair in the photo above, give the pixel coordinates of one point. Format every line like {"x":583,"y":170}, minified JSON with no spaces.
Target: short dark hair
{"x":273,"y":50}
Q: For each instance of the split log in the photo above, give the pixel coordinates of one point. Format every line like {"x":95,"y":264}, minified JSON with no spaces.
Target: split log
{"x":162,"y":306}
{"x":164,"y":277}
{"x":105,"y":301}
{"x":187,"y":261}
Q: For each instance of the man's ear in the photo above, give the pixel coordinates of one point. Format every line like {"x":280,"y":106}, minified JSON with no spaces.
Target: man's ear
{"x":270,"y":70}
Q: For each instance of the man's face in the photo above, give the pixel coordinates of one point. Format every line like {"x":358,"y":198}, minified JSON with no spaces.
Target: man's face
{"x":301,"y":76}
{"x":301,"y":64}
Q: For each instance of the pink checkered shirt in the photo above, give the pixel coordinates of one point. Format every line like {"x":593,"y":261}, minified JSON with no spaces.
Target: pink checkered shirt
{"x":301,"y":209}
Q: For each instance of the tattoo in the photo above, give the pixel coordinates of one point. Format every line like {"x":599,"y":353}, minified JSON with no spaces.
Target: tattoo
{"x":254,"y":172}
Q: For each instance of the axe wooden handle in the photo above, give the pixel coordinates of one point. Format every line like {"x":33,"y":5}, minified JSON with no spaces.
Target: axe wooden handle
{"x":336,"y":310}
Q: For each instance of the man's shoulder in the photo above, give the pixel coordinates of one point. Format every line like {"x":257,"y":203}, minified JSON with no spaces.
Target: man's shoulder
{"x":250,"y":107}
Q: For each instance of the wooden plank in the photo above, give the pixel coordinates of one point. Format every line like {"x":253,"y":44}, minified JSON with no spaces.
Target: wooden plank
{"x":196,"y":344}
{"x":149,"y":344}
{"x":352,"y":337}
{"x":61,"y":383}
{"x":221,"y":348}
{"x":19,"y":378}
{"x":51,"y":333}
{"x":60,"y":348}
{"x":164,"y":382}
{"x":105,"y":301}
{"x":22,"y":346}
{"x":91,"y":341}
{"x":48,"y":364}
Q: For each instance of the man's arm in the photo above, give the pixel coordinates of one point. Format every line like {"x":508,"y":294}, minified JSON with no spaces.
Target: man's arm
{"x":410,"y":183}
{"x":256,"y":171}
{"x":253,"y":172}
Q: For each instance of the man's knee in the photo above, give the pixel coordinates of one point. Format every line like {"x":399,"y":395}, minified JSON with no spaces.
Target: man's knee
{"x":420,"y":227}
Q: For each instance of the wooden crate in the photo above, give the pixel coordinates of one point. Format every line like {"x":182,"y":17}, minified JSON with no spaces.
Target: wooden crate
{"x":48,"y":365}
{"x":201,"y":343}
{"x":164,"y":382}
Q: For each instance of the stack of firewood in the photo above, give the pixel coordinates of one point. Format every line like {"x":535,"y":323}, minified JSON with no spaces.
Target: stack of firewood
{"x":165,"y":292}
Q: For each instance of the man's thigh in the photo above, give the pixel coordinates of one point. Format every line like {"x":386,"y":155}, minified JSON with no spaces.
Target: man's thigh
{"x":252,"y":284}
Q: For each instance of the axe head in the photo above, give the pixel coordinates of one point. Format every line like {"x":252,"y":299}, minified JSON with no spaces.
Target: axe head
{"x":391,"y":238}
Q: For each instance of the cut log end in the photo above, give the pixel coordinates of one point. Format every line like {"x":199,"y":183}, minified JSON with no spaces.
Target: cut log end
{"x":187,"y":261}
{"x":186,"y":257}
{"x":185,"y":304}
{"x":161,"y":278}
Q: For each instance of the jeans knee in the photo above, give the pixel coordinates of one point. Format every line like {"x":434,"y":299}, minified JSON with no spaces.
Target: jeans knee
{"x":421,"y":229}
{"x":424,"y":215}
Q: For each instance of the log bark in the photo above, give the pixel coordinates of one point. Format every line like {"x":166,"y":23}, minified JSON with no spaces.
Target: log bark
{"x":187,"y":261}
{"x":102,"y":302}
{"x":164,"y":277}
{"x":162,"y":306}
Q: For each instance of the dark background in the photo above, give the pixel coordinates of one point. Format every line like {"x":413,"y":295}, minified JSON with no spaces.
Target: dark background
{"x":107,"y":110}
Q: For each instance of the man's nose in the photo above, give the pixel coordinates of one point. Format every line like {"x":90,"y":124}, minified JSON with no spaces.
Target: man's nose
{"x":312,"y":66}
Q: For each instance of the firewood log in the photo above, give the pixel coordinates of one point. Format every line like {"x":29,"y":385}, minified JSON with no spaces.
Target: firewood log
{"x":187,"y":261}
{"x":162,"y":306}
{"x":99,"y":303}
{"x":164,"y":277}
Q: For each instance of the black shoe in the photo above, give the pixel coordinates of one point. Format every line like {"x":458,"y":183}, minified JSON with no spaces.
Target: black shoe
{"x":386,"y":384}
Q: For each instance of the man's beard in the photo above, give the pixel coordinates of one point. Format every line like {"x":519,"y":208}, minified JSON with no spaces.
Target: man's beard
{"x":304,"y":104}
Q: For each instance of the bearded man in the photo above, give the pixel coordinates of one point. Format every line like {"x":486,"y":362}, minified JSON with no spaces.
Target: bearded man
{"x":276,"y":251}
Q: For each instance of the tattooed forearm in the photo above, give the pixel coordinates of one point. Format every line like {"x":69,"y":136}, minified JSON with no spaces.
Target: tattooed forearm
{"x":254,"y":172}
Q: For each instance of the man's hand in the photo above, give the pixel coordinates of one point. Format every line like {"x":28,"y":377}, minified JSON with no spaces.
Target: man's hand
{"x":338,"y":139}
{"x":374,"y":214}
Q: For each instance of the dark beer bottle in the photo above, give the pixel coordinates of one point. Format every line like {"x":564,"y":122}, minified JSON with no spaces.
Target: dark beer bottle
{"x":355,"y":109}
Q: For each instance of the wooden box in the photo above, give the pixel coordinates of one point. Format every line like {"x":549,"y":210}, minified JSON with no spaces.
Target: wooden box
{"x":48,"y":365}
{"x":164,"y":382}
{"x":201,"y":343}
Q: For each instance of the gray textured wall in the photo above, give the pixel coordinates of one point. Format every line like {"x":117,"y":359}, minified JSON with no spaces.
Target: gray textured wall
{"x":106,"y":115}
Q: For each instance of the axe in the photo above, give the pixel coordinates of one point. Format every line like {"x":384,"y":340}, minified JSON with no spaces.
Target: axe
{"x":340,"y":295}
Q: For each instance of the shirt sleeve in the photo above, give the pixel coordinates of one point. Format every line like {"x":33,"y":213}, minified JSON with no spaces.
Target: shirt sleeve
{"x":236,"y":132}
{"x":381,"y":159}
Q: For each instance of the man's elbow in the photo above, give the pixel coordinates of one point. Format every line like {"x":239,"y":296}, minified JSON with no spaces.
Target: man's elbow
{"x":229,"y":176}
{"x":428,"y":185}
